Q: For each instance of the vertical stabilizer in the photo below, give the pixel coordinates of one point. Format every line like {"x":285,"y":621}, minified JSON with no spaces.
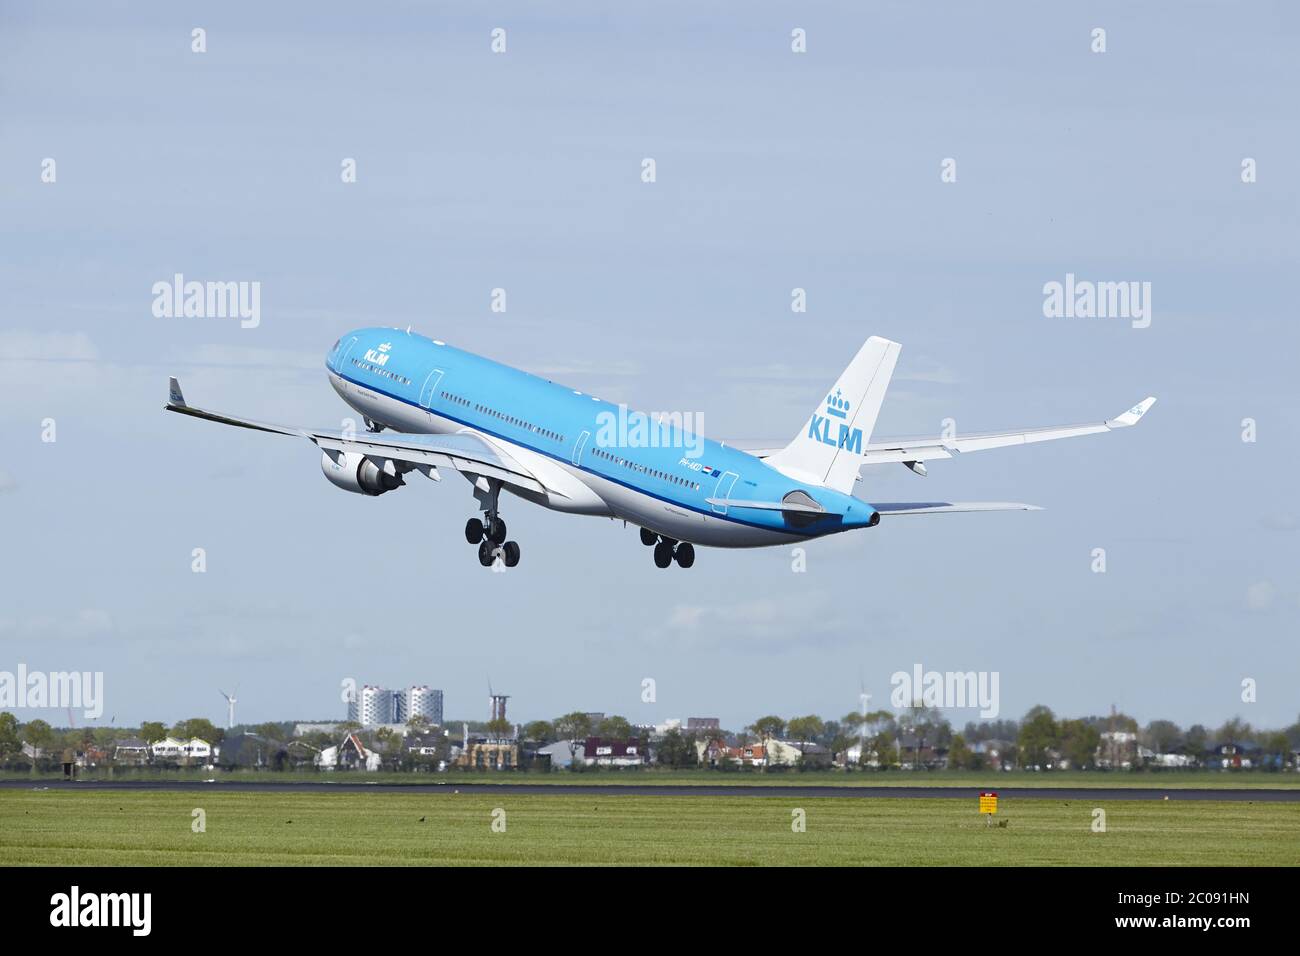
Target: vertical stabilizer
{"x":828,"y":451}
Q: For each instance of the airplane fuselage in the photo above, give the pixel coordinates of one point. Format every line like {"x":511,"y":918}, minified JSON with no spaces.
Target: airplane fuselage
{"x":660,"y":478}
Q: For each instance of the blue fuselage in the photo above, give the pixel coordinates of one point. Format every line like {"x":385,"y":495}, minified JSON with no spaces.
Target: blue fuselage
{"x":612,"y":450}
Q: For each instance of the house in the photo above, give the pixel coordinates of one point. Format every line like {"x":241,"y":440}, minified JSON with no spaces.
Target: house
{"x":710,"y":750}
{"x":1178,"y":757}
{"x":196,"y":751}
{"x":350,"y":754}
{"x":92,"y":756}
{"x":797,"y":753}
{"x":426,"y":745}
{"x":481,"y":753}
{"x":131,"y":751}
{"x":563,"y":753}
{"x":169,"y":748}
{"x":1117,"y":748}
{"x":1232,"y":755}
{"x":612,"y":752}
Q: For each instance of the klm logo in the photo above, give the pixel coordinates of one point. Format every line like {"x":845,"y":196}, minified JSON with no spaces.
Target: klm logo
{"x":378,"y":356}
{"x":820,"y":427}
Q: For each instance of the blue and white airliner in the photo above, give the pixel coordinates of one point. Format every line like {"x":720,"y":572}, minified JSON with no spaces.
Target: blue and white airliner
{"x":429,"y":406}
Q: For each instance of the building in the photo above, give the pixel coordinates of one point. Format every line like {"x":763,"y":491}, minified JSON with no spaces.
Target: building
{"x":350,"y":754}
{"x":169,"y":748}
{"x":795,"y":753}
{"x":483,"y":754}
{"x":610,"y":752}
{"x":703,"y":725}
{"x":375,"y":706}
{"x":131,"y":751}
{"x":427,"y":745}
{"x":563,"y":753}
{"x":423,"y":701}
{"x":1117,"y":749}
{"x":197,"y":751}
{"x":372,"y":706}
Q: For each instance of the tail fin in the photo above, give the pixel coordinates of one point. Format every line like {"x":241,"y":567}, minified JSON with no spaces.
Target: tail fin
{"x":828,"y":451}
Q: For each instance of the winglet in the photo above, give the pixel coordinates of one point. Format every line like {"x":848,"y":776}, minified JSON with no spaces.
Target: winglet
{"x":1132,"y":416}
{"x":175,"y":396}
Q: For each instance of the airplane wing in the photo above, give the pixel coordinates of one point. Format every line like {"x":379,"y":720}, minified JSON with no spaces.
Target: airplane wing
{"x":928,"y":449}
{"x":464,"y":452}
{"x":891,"y":508}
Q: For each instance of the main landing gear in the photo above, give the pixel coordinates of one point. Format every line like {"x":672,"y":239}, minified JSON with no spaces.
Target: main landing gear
{"x":667,"y":550}
{"x":490,"y":532}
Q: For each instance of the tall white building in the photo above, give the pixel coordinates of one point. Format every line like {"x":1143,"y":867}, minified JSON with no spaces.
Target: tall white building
{"x":423,"y":701}
{"x":374,"y":706}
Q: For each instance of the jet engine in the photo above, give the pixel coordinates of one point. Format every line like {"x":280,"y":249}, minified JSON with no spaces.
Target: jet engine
{"x":355,"y":472}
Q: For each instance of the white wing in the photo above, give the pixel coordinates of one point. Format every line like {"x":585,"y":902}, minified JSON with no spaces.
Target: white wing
{"x":928,"y":449}
{"x":464,"y":452}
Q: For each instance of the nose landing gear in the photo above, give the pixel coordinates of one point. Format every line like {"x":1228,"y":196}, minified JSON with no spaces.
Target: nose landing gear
{"x":666,"y":550}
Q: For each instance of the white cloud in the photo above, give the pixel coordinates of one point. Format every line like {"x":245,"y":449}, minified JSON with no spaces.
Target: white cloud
{"x":1260,"y":595}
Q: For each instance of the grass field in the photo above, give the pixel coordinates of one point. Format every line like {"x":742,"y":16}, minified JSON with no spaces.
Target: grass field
{"x":154,"y":828}
{"x":1169,"y":779}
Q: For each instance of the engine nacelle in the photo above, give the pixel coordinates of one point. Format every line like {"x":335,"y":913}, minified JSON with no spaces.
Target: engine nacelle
{"x":356,"y":473}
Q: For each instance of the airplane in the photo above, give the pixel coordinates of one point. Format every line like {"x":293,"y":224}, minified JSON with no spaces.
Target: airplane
{"x":429,"y":406}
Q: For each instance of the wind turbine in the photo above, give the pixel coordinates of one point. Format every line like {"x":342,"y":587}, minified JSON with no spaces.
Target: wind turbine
{"x":230,"y":706}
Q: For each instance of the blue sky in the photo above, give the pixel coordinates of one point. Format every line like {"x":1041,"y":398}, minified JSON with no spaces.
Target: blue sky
{"x":775,"y":171}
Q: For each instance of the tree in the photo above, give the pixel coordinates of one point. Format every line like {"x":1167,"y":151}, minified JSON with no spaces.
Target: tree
{"x":807,"y":728}
{"x":40,"y":734}
{"x":1197,"y":741}
{"x":616,"y":727}
{"x":1235,"y":730}
{"x":10,"y":743}
{"x":767,"y":729}
{"x":926,"y":725}
{"x":1079,"y":742}
{"x":540,"y":732}
{"x":676,"y":749}
{"x":1162,"y":736}
{"x":202,"y":728}
{"x":499,"y":727}
{"x":418,"y":725}
{"x":576,"y":728}
{"x":960,"y":756}
{"x":152,"y":731}
{"x":1038,"y":734}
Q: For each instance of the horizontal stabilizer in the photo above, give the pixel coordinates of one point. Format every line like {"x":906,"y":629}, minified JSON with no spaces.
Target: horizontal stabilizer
{"x":890,"y":508}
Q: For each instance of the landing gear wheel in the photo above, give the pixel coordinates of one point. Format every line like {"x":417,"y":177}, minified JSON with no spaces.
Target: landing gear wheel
{"x":649,"y":538}
{"x":473,"y":531}
{"x":487,"y":553}
{"x":510,"y":552}
{"x":663,"y":554}
{"x":496,"y":531}
{"x":685,"y":555}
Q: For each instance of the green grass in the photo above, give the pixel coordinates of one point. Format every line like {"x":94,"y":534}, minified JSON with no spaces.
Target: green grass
{"x":1160,"y":779}
{"x":125,"y":828}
